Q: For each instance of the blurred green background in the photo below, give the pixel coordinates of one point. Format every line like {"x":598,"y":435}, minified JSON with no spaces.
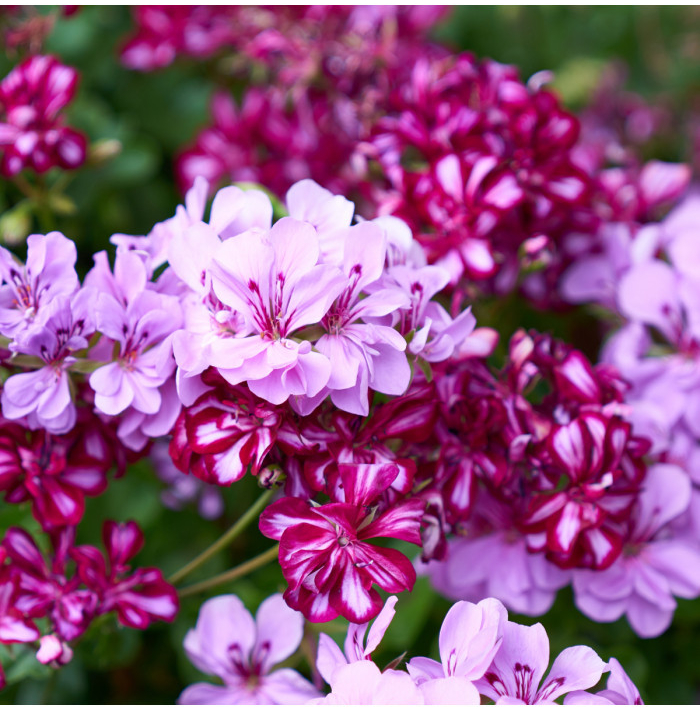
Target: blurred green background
{"x":153,"y":115}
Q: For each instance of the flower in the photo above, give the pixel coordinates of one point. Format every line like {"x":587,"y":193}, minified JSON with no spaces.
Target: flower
{"x":363,"y":683}
{"x":515,"y":675}
{"x":469,"y":638}
{"x":619,"y":690}
{"x":43,"y":396}
{"x":274,"y":281}
{"x":228,"y":643}
{"x":31,"y":132}
{"x":356,"y":648}
{"x":324,"y":554}
{"x":28,"y":289}
{"x":656,"y":564}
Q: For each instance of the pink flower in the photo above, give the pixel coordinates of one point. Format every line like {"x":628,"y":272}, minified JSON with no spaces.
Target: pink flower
{"x":275,"y":282}
{"x":515,"y":675}
{"x":363,"y":354}
{"x":43,"y":396}
{"x":356,"y":648}
{"x":324,"y":552}
{"x":619,"y":690}
{"x":138,"y":321}
{"x":228,"y":643}
{"x":469,"y":639}
{"x":363,"y":683}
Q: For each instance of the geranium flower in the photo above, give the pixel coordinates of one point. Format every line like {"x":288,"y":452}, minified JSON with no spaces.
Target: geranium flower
{"x":228,"y":643}
{"x":324,"y":552}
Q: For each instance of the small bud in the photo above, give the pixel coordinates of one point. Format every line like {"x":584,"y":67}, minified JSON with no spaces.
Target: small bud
{"x":102,"y":151}
{"x":53,"y":651}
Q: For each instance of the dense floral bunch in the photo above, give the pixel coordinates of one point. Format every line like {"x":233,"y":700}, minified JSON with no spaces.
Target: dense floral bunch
{"x":482,"y":655}
{"x":328,"y":69}
{"x":76,"y":585}
{"x":662,"y":400}
{"x":269,"y":330}
{"x":32,"y":133}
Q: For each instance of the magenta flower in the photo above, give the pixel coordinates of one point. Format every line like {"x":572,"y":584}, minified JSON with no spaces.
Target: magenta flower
{"x":26,"y":290}
{"x":31,"y":132}
{"x":44,"y":590}
{"x":515,"y":675}
{"x":324,"y":553}
{"x":273,"y":280}
{"x":139,"y":598}
{"x":55,"y":472}
{"x":226,"y":431}
{"x":228,"y":643}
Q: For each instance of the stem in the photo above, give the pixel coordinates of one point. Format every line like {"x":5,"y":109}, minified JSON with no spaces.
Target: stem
{"x":224,"y":539}
{"x":236,"y":572}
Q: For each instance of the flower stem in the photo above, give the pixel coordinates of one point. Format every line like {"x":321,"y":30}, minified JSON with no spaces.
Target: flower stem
{"x":251,"y":514}
{"x":236,"y":572}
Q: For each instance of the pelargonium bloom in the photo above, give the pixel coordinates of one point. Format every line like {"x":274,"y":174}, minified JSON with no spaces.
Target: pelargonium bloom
{"x":274,"y":281}
{"x":363,"y":355}
{"x":31,"y":132}
{"x":27,"y":289}
{"x":363,"y":683}
{"x":470,"y":637}
{"x":655,"y":566}
{"x":619,"y":690}
{"x":55,"y":472}
{"x":515,"y":675}
{"x":356,"y":648}
{"x":228,"y":643}
{"x":324,"y":550}
{"x":43,"y":396}
{"x":226,"y":431}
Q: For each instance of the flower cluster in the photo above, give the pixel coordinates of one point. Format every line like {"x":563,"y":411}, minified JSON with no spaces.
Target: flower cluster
{"x":32,"y":133}
{"x":482,"y":655}
{"x":663,"y":542}
{"x":544,"y":470}
{"x":327,"y":68}
{"x":74,"y":586}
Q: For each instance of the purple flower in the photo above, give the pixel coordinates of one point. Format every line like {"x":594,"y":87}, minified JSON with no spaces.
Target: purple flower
{"x":228,"y":643}
{"x":499,"y":565}
{"x":363,"y":355}
{"x":469,"y":638}
{"x":274,"y":281}
{"x":26,"y":290}
{"x":44,"y":395}
{"x":620,"y":690}
{"x":515,"y":675}
{"x":143,"y":362}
